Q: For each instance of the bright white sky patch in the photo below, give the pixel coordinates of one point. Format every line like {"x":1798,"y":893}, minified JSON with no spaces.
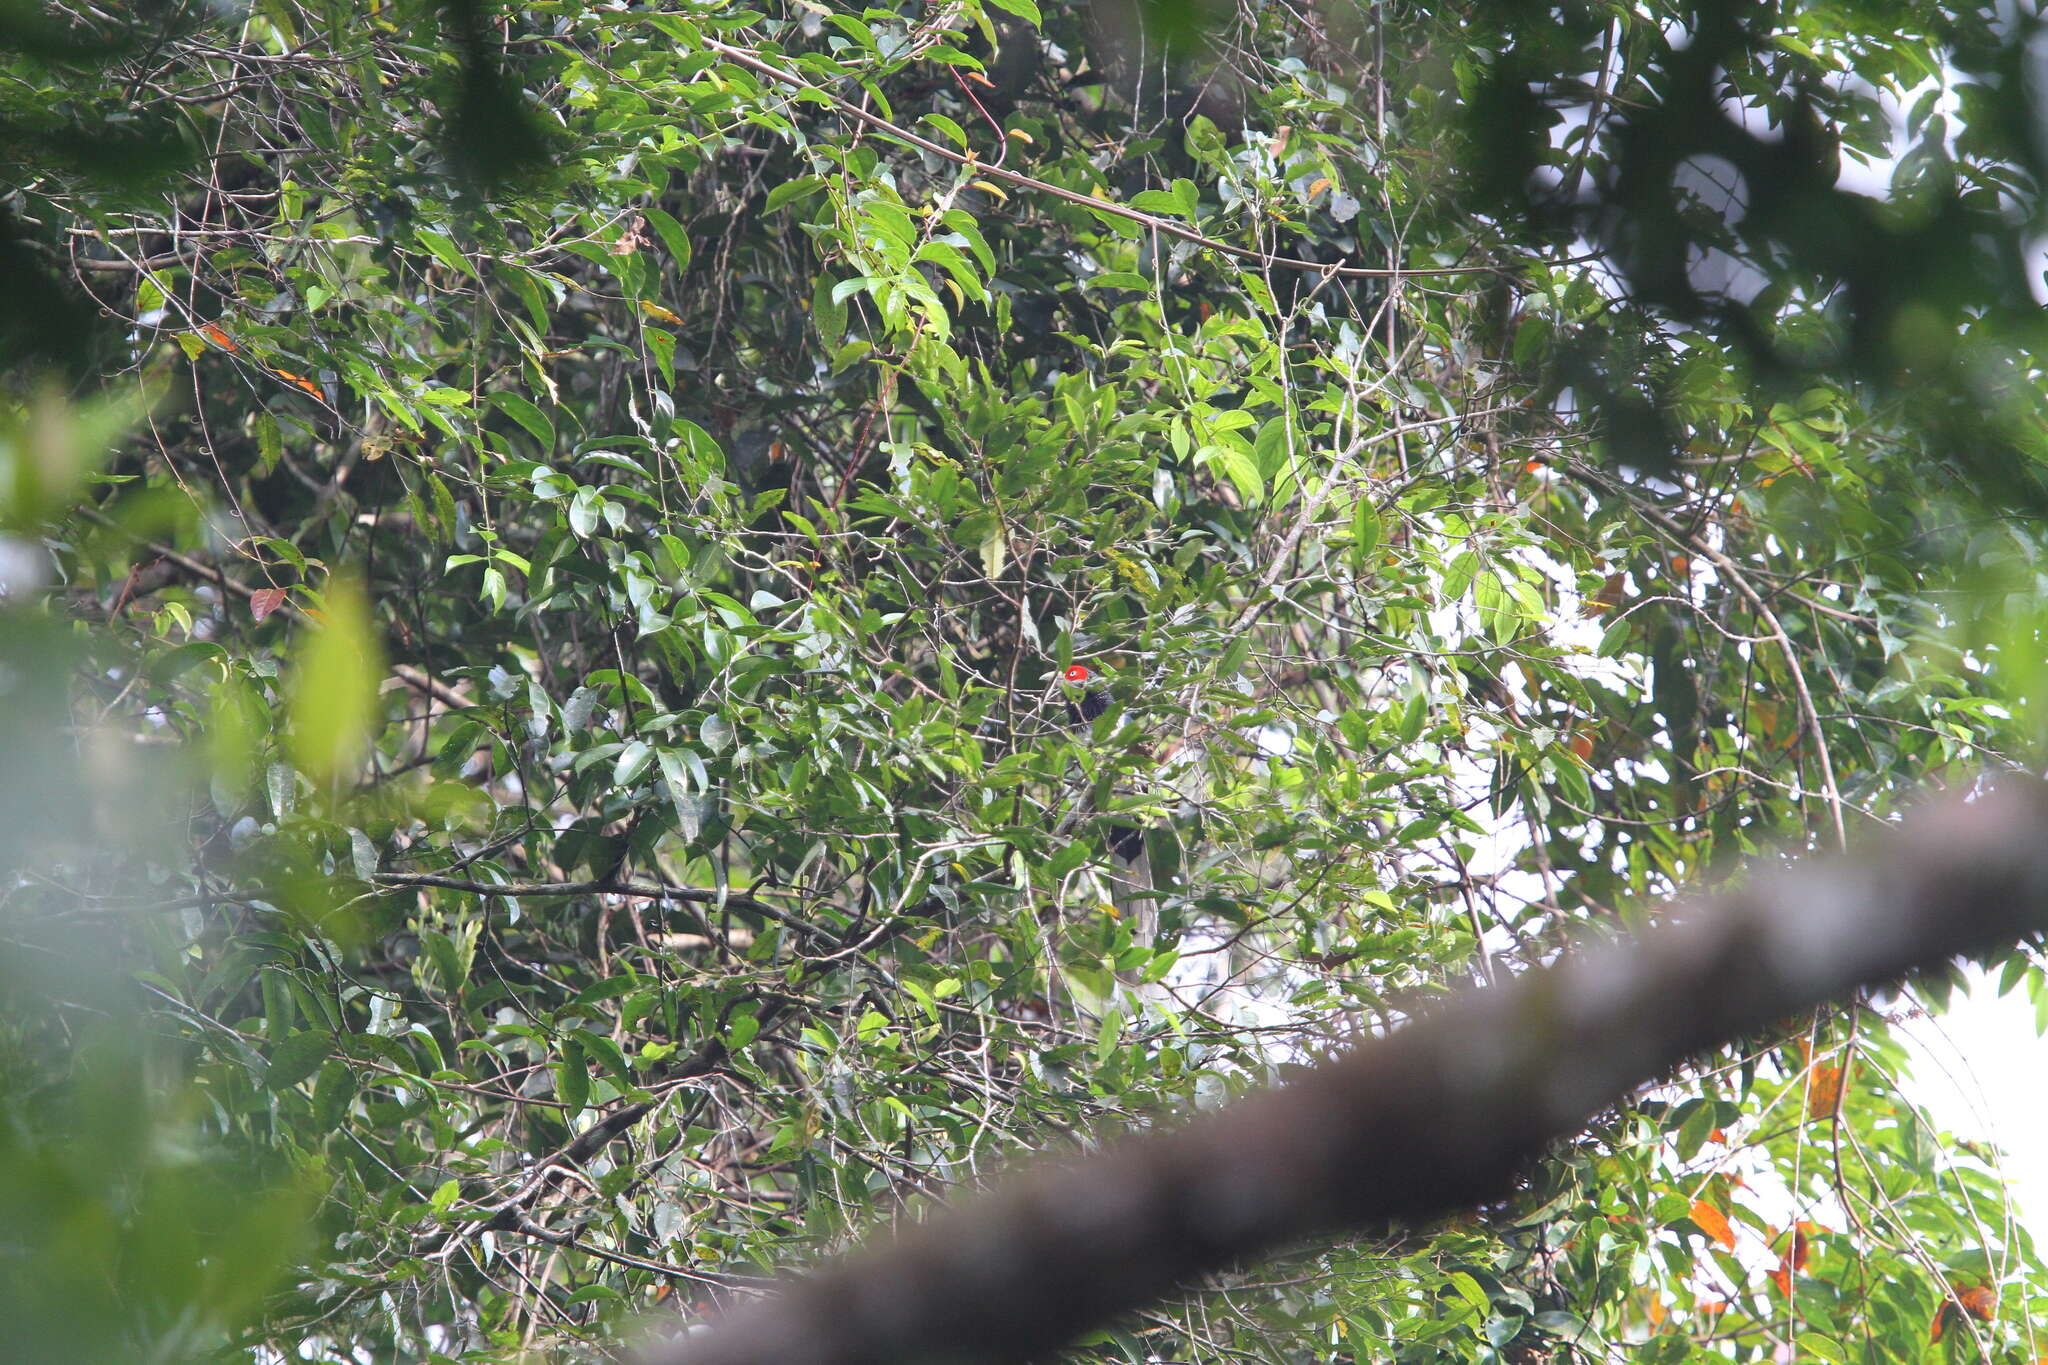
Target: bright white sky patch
{"x":1978,"y":1071}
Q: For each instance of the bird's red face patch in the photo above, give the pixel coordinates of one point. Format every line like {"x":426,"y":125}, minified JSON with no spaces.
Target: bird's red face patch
{"x":1077,"y":673}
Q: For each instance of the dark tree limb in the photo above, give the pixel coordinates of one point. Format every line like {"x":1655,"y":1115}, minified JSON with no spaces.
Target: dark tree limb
{"x":1436,"y":1117}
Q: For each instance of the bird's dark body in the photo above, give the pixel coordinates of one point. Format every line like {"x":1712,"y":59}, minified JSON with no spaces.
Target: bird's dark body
{"x":1127,"y":842}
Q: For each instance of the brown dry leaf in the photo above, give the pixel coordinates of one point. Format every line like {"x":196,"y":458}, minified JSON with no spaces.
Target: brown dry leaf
{"x":264,"y":601}
{"x":1608,"y":598}
{"x":1800,"y":1253}
{"x":631,"y":240}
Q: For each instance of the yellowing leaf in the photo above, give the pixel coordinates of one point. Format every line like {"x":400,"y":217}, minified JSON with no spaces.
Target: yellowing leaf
{"x":49,"y":448}
{"x":235,"y":734}
{"x":986,"y":188}
{"x":995,"y":553}
{"x":336,"y":671}
{"x":655,"y":310}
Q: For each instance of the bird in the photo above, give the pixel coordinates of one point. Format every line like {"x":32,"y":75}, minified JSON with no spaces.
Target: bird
{"x":1084,"y":701}
{"x":1088,"y":698}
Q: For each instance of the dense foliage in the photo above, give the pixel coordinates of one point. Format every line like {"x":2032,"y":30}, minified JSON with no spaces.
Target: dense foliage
{"x":545,"y":550}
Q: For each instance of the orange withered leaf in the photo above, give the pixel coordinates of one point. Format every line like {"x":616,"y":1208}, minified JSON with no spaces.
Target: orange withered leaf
{"x":1823,"y":1091}
{"x":1794,"y":1259}
{"x":1713,"y":1222}
{"x":1980,"y":1301}
{"x":308,"y":385}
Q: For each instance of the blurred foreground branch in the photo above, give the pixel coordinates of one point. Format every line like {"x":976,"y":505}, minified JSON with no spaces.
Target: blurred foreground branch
{"x":1436,"y":1117}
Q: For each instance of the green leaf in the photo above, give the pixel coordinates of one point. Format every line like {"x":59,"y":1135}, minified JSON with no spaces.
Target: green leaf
{"x":608,"y":1056}
{"x":572,"y":1076}
{"x":451,"y":962}
{"x":332,"y":1094}
{"x":1823,"y":1347}
{"x":1469,"y":1290}
{"x":793,"y":191}
{"x":672,"y":236}
{"x":1238,"y":466}
{"x":296,"y":1058}
{"x":1118,"y":279}
{"x":269,"y":443}
{"x":1181,"y":201}
{"x":528,"y":416}
{"x":954,"y":132}
{"x":1413,"y":715}
{"x":633,"y":761}
{"x":443,"y":250}
{"x":741,"y":1030}
{"x":1023,"y":9}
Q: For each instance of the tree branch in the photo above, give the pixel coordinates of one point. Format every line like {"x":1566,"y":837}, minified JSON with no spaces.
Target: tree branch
{"x":1435,"y":1117}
